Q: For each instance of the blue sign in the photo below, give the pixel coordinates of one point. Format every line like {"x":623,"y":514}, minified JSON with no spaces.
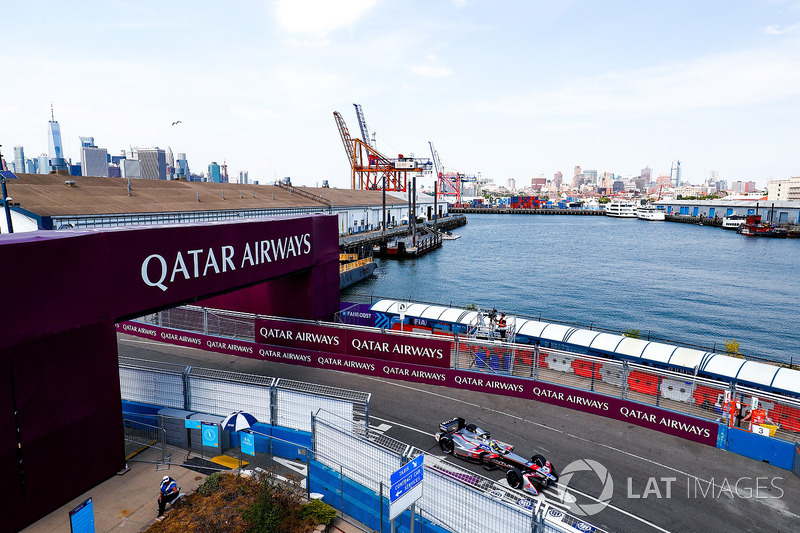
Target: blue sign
{"x":81,"y":519}
{"x":192,"y":424}
{"x":210,"y":435}
{"x":407,"y":483}
{"x":248,"y":443}
{"x":406,"y":469}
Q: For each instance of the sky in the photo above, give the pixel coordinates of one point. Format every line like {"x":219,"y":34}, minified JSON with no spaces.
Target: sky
{"x":507,"y":89}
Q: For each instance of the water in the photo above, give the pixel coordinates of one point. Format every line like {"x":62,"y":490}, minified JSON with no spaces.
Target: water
{"x":689,"y":284}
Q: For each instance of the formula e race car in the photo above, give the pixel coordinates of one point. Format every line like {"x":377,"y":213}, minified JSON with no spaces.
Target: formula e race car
{"x":472,"y":443}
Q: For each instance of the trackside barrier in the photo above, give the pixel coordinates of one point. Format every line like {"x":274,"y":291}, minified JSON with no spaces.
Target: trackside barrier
{"x":676,"y":392}
{"x":761,"y":448}
{"x":352,"y":471}
{"x":796,"y":461}
{"x":280,"y":402}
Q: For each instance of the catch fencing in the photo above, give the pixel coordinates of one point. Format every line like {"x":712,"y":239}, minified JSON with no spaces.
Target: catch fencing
{"x":453,"y":498}
{"x":674,"y":391}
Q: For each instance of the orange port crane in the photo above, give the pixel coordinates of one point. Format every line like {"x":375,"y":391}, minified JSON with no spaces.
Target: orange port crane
{"x":369,"y":167}
{"x":449,"y":183}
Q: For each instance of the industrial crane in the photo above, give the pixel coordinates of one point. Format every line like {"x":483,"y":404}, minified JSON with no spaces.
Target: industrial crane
{"x":369,"y":167}
{"x":449,"y":182}
{"x":363,"y":123}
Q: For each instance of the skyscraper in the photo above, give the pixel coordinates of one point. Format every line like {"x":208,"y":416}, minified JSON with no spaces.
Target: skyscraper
{"x":214,"y":173}
{"x":153,"y":163}
{"x":94,"y":161}
{"x":19,"y":159}
{"x":243,"y":177}
{"x":181,"y":167}
{"x":675,"y":173}
{"x":56,"y":148}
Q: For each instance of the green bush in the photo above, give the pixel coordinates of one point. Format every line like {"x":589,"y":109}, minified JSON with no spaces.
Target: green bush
{"x":318,"y":511}
{"x":210,"y":485}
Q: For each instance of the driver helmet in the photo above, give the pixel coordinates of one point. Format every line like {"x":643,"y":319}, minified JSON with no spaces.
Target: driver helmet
{"x":495,"y":446}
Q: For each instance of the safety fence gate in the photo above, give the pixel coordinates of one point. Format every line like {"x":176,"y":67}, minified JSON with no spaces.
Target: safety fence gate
{"x":351,"y":468}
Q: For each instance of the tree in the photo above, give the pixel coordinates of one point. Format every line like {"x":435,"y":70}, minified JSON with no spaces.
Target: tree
{"x":732,"y":348}
{"x":632,"y":333}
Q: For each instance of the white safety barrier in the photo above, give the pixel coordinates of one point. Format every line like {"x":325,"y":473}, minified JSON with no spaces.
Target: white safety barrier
{"x":560,"y":362}
{"x":680,"y":391}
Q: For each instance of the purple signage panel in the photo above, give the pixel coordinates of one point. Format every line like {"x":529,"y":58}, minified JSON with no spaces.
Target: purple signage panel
{"x":413,"y":350}
{"x":679,"y":425}
{"x":358,"y":314}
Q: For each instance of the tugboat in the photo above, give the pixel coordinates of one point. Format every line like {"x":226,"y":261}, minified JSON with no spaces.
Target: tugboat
{"x":753,"y":227}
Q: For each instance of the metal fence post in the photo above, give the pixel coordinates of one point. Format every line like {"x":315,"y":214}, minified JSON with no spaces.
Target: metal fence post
{"x":625,"y":374}
{"x":187,"y":391}
{"x":205,"y":320}
{"x":273,"y":404}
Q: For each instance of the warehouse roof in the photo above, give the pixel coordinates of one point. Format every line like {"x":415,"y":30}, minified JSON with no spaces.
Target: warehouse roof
{"x":61,"y":195}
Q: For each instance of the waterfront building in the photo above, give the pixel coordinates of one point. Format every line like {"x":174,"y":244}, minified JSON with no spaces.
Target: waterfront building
{"x":783,"y":190}
{"x":152,"y":163}
{"x":46,"y":204}
{"x":675,"y":173}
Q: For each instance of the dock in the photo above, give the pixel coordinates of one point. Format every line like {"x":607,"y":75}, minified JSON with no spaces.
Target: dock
{"x":367,"y":239}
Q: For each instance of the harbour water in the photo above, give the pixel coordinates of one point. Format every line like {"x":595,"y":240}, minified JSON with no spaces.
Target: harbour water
{"x":689,"y":284}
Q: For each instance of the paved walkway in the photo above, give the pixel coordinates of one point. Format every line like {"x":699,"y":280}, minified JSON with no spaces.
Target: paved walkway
{"x":129,"y":502}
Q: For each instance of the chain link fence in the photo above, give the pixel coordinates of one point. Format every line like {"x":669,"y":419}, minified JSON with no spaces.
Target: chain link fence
{"x":454,"y":498}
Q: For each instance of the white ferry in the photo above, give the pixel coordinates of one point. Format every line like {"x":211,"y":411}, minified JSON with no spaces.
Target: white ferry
{"x":649,"y":212}
{"x":733,"y":222}
{"x":621,"y":209}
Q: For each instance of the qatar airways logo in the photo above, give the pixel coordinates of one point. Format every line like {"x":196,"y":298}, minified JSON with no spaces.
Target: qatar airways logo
{"x":160,"y":271}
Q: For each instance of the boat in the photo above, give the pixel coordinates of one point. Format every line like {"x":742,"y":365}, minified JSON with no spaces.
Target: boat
{"x":353,"y":269}
{"x":733,"y":221}
{"x":649,"y":212}
{"x":619,"y":208}
{"x":753,"y":227}
{"x":448,"y":236}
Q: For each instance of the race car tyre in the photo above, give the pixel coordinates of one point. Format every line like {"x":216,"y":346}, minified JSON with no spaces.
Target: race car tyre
{"x":446,"y":444}
{"x":514,"y":478}
{"x":538,"y":460}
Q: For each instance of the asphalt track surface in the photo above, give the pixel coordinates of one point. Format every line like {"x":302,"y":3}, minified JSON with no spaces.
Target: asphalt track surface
{"x":660,"y":483}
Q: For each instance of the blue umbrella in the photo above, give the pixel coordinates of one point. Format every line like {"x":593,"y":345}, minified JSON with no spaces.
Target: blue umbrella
{"x":238,"y":421}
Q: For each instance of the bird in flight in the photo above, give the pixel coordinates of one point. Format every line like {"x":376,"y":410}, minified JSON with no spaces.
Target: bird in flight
{"x":176,"y":122}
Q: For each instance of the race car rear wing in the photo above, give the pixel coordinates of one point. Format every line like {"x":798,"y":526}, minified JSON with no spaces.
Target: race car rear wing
{"x":454,"y":424}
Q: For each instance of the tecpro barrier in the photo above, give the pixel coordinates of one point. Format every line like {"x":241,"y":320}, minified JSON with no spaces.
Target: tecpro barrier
{"x":662,"y":420}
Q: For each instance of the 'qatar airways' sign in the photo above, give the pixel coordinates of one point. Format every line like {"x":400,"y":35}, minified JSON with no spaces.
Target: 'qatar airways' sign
{"x":428,"y":352}
{"x":160,"y":271}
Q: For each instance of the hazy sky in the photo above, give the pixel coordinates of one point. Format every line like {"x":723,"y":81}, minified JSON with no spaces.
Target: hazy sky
{"x":507,"y":89}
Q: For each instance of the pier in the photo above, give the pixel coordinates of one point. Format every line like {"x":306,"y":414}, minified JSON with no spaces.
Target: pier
{"x":352,"y":243}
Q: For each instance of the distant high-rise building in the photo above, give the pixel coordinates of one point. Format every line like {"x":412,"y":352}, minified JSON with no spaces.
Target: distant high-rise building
{"x":223,"y":172}
{"x":19,"y":159}
{"x":590,"y":177}
{"x":94,"y":161}
{"x":31,"y":166}
{"x":42,"y":164}
{"x":56,"y":147}
{"x":86,"y":141}
{"x":675,"y":173}
{"x":170,"y":164}
{"x":243,"y":177}
{"x":182,"y":167}
{"x":512,"y":184}
{"x":647,"y":174}
{"x":214,"y":173}
{"x":558,"y":179}
{"x":153,"y":163}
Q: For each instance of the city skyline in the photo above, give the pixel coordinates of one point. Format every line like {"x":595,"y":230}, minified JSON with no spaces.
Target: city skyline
{"x":509,"y":90}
